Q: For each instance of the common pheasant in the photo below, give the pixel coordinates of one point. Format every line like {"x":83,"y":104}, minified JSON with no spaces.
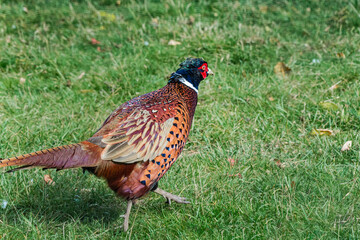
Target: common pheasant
{"x":137,"y":143}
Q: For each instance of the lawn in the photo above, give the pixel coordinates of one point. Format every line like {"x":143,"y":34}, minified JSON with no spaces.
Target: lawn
{"x":253,"y":168}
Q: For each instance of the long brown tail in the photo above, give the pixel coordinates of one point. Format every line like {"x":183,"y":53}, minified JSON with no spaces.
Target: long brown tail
{"x":84,"y":154}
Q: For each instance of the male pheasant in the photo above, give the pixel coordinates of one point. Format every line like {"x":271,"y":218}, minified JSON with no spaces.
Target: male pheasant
{"x":137,"y":143}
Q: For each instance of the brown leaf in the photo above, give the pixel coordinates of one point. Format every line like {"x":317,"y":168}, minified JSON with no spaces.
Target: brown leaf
{"x":48,"y":180}
{"x":346,"y":146}
{"x":271,"y":99}
{"x":263,"y":9}
{"x":231,"y":161}
{"x":322,"y":132}
{"x":191,"y":20}
{"x":173,"y":43}
{"x":278,"y":163}
{"x":340,"y":55}
{"x":329,"y":106}
{"x":281,"y":69}
{"x":292,"y":184}
{"x":68,"y":83}
{"x":155,"y":22}
{"x":86,"y":90}
{"x":235,"y":175}
{"x":335,"y":86}
{"x":81,"y":75}
{"x":94,"y":41}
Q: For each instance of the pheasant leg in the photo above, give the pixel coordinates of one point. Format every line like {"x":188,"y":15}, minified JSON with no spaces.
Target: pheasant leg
{"x":127,"y":215}
{"x":170,"y":196}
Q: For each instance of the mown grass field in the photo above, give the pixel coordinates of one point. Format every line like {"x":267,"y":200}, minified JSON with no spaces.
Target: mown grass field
{"x":56,"y":88}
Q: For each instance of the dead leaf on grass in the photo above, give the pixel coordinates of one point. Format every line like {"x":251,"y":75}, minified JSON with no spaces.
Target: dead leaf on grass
{"x":271,"y":99}
{"x":191,"y":20}
{"x":94,"y":41}
{"x":81,"y":75}
{"x":340,"y":55}
{"x":173,"y":42}
{"x":235,"y":175}
{"x":335,"y":86}
{"x":155,"y":22}
{"x":86,"y":90}
{"x":346,"y":146}
{"x":48,"y":180}
{"x":108,"y":16}
{"x":322,"y":132}
{"x":231,"y":161}
{"x":22,"y":80}
{"x":263,"y":9}
{"x":278,"y":163}
{"x":281,"y":69}
{"x":329,"y":106}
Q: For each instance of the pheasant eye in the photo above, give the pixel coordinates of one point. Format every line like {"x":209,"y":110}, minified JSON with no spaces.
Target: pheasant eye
{"x":204,"y":67}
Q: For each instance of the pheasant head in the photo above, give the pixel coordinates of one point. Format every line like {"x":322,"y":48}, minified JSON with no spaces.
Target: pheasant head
{"x":191,"y":72}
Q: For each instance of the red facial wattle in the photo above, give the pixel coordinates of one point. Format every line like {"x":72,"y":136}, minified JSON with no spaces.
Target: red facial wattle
{"x":203,"y":70}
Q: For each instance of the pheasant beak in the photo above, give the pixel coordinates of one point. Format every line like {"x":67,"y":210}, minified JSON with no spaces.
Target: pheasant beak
{"x":210,"y":72}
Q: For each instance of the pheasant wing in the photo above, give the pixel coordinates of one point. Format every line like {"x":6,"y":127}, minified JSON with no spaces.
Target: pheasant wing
{"x":136,"y":138}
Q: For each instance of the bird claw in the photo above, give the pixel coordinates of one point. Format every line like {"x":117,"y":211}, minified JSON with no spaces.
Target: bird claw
{"x":126,"y":216}
{"x":169,"y":197}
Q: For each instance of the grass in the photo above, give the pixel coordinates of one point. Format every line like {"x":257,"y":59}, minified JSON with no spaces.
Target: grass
{"x":292,"y":185}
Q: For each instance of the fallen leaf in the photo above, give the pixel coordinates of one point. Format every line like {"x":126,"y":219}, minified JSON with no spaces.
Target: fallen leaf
{"x":340,"y":55}
{"x":263,"y":9}
{"x":346,"y":146}
{"x":329,"y":106}
{"x":155,"y":22}
{"x":68,"y":83}
{"x":86,"y":90}
{"x":22,"y":80}
{"x":335,"y":86}
{"x":99,"y":49}
{"x":108,"y":16}
{"x":25,"y":9}
{"x":118,"y":2}
{"x":322,"y":132}
{"x":231,"y":161}
{"x":94,"y":41}
{"x":278,"y":163}
{"x":327,"y":29}
{"x":235,"y":175}
{"x":271,"y":98}
{"x":281,"y":69}
{"x":268,"y":29}
{"x":173,"y":43}
{"x":48,"y":180}
{"x":191,"y":20}
{"x":81,"y":75}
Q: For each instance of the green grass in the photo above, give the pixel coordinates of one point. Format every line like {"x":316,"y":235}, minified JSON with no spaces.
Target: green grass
{"x":315,"y":192}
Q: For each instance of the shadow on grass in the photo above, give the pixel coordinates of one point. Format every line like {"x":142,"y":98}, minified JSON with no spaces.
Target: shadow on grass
{"x":80,"y":198}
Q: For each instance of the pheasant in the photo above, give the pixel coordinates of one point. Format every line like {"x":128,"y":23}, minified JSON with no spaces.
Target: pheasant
{"x":137,"y":143}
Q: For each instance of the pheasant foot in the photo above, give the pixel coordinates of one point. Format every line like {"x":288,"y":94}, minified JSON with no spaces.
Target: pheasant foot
{"x":127,"y":215}
{"x":170,"y":196}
